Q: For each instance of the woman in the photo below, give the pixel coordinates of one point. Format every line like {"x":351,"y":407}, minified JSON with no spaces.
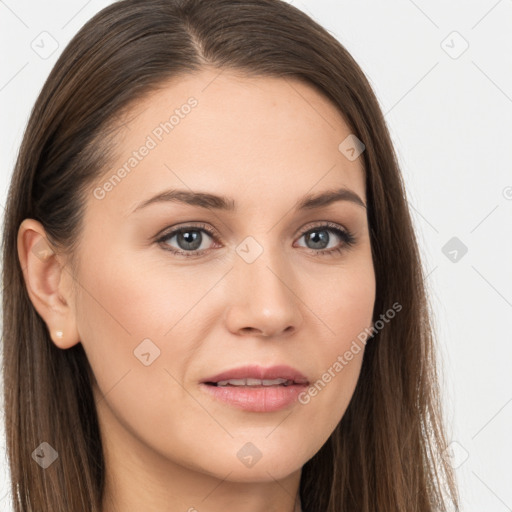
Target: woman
{"x":213,"y":292}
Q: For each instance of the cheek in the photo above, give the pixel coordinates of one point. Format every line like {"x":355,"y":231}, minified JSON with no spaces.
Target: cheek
{"x":344,"y":301}
{"x":137,"y":357}
{"x":141,"y":319}
{"x":119,"y":306}
{"x":345,"y":308}
{"x":125,"y":297}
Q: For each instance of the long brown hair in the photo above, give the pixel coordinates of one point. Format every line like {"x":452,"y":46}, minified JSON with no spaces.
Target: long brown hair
{"x":386,"y":454}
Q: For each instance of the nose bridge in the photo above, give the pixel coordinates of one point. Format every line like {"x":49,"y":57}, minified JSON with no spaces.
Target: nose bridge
{"x":261,"y":261}
{"x":265,"y":297}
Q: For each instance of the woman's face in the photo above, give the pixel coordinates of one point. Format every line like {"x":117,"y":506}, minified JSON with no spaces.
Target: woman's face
{"x":266,"y":283}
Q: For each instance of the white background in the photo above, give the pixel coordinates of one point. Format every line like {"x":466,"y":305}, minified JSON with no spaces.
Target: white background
{"x":451,"y":123}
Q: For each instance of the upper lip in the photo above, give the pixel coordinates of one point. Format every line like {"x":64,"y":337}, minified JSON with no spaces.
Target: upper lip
{"x":260,"y":372}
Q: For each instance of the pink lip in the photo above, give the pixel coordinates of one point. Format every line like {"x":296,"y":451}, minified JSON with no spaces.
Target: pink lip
{"x":260,"y":372}
{"x":257,"y":398}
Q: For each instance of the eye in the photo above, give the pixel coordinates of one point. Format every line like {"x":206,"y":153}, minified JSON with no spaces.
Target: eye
{"x":318,"y":238}
{"x":190,"y":239}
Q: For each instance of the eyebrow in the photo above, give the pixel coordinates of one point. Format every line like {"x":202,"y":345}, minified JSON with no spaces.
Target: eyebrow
{"x":215,"y":202}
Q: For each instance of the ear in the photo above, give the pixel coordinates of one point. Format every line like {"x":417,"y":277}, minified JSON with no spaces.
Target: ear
{"x":49,"y":283}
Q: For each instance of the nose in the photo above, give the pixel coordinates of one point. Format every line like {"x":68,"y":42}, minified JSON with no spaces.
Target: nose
{"x":263,"y":299}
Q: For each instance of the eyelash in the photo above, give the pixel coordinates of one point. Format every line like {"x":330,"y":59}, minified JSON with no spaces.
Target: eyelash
{"x":348,"y":239}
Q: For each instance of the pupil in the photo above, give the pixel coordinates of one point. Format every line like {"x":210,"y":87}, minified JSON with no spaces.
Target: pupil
{"x":316,"y":238}
{"x":191,"y":240}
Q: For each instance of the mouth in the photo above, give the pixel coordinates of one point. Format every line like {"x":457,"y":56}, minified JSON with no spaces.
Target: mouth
{"x":255,"y":388}
{"x":253,"y":383}
{"x":254,"y":375}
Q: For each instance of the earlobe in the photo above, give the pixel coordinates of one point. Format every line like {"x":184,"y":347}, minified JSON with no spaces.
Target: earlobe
{"x":48,"y":283}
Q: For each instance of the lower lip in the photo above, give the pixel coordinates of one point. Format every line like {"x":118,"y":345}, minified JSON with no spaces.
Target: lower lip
{"x":256,"y":398}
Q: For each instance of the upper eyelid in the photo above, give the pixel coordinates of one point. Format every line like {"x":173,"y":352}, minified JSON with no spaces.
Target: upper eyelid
{"x":167,"y":232}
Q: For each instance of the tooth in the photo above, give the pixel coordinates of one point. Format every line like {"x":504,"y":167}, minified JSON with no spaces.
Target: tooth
{"x":237,"y":382}
{"x":233,"y":382}
{"x":273,"y":382}
{"x":254,"y":382}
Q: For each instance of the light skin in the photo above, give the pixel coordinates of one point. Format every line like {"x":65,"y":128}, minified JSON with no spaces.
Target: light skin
{"x":265,"y":143}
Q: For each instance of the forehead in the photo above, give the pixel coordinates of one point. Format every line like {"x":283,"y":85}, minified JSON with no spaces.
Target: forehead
{"x":250,"y":138}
